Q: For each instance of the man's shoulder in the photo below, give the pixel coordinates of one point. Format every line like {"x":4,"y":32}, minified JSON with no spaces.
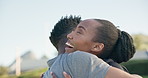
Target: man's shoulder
{"x":81,"y":54}
{"x":51,"y":61}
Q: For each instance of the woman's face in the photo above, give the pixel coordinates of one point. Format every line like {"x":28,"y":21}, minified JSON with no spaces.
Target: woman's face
{"x":81,"y":37}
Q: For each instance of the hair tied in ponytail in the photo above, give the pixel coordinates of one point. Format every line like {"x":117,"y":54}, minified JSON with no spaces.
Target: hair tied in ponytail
{"x":119,"y":34}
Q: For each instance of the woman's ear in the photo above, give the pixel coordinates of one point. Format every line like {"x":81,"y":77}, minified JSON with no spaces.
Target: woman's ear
{"x":98,"y":47}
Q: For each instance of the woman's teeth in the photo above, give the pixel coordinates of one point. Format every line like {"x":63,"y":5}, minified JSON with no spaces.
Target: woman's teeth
{"x":69,"y":45}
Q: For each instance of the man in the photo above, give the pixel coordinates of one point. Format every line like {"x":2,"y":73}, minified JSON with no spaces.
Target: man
{"x":59,"y":34}
{"x":63,"y":27}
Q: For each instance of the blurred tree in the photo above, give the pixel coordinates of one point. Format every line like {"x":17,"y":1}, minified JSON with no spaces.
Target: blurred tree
{"x":140,"y":41}
{"x":137,"y":41}
{"x":3,"y":70}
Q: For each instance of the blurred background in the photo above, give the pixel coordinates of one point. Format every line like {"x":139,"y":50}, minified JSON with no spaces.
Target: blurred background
{"x":25,"y":27}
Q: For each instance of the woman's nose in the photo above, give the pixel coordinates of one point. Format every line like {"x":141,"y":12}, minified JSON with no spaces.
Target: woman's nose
{"x":69,"y":36}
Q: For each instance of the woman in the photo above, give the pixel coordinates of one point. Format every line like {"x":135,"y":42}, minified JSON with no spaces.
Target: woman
{"x":94,"y":36}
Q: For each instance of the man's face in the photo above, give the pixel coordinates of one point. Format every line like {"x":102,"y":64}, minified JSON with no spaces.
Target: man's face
{"x":62,"y":45}
{"x":81,"y":38}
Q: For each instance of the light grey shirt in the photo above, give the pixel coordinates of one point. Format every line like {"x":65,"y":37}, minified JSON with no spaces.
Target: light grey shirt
{"x":79,"y":65}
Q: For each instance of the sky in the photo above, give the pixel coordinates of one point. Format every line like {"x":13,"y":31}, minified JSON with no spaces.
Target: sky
{"x":25,"y":25}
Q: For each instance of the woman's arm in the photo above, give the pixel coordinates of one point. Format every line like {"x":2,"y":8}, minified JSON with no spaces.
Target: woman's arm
{"x":109,"y":75}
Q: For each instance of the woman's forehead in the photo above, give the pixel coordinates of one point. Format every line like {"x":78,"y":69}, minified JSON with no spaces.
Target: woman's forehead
{"x":89,"y":23}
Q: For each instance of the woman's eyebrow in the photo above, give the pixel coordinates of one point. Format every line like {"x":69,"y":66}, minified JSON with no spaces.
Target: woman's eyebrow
{"x":81,"y":27}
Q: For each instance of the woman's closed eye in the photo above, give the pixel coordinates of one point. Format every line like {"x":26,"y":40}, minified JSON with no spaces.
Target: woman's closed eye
{"x":79,"y":32}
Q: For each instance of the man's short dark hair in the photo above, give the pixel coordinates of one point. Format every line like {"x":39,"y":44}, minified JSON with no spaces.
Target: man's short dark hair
{"x":63,"y":27}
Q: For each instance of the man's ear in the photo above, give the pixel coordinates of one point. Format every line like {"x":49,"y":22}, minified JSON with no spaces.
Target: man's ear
{"x":97,"y":47}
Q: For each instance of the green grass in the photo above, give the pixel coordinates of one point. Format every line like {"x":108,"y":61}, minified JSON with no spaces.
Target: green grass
{"x":145,"y":76}
{"x":33,"y":74}
{"x":137,"y":67}
{"x":8,"y":76}
{"x":28,"y":74}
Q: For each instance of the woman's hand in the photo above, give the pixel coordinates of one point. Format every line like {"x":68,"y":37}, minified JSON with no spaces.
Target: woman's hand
{"x":64,"y":73}
{"x":53,"y":75}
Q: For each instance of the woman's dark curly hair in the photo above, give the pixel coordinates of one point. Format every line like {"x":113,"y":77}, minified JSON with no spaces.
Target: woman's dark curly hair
{"x":118,"y":45}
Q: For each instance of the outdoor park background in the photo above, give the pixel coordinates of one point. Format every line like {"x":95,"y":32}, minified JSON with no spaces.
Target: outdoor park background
{"x":25,"y":25}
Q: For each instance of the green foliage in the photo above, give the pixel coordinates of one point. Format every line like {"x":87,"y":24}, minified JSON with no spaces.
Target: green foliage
{"x":137,"y":41}
{"x":137,"y":66}
{"x":3,"y":70}
{"x":140,"y":41}
{"x":8,"y":76}
{"x":33,"y":74}
{"x":145,"y":76}
{"x":28,"y":74}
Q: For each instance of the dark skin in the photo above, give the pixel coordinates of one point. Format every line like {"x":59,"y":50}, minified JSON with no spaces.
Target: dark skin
{"x":62,"y":45}
{"x":97,"y":48}
{"x":64,"y":73}
{"x":86,"y":36}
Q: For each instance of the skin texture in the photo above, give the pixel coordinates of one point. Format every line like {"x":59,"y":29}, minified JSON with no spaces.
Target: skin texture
{"x":110,"y":74}
{"x":82,"y":39}
{"x":83,"y":35}
{"x":64,"y":26}
{"x":64,"y":73}
{"x":62,"y":45}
